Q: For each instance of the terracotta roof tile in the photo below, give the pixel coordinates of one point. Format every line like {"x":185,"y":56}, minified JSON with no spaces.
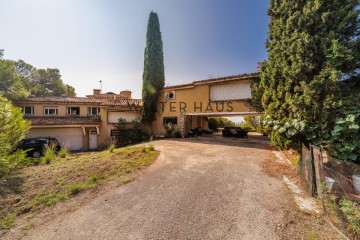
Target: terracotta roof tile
{"x":219,"y":79}
{"x":106,"y":96}
{"x":62,"y":100}
{"x":68,"y":120}
{"x":117,"y":101}
{"x":122,"y":102}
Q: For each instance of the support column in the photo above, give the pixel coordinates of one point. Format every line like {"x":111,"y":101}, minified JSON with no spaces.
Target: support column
{"x":182,"y":124}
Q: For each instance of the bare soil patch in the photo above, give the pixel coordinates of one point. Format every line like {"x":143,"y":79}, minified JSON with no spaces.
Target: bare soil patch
{"x":297,"y":224}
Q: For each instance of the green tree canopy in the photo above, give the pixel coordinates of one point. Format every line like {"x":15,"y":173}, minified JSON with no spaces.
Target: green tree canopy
{"x":12,"y":129}
{"x":153,"y":76}
{"x":313,"y":49}
{"x":11,"y":85}
{"x":220,"y":122}
{"x":18,"y":79}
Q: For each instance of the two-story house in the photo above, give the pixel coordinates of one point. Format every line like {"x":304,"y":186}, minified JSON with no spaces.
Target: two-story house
{"x":191,"y":105}
{"x":79,"y":123}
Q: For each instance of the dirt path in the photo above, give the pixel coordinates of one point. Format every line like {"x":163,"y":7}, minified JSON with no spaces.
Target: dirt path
{"x":197,"y":189}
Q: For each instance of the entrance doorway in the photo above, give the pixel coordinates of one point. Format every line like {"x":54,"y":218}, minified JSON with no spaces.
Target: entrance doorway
{"x":93,"y":139}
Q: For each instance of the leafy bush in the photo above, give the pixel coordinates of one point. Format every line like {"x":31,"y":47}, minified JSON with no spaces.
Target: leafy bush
{"x":213,"y":124}
{"x":151,"y":148}
{"x":283,"y":131}
{"x":63,"y":153}
{"x":11,"y":162}
{"x":12,"y":130}
{"x":32,"y":161}
{"x":177,"y":133}
{"x":111,"y":147}
{"x":341,"y":137}
{"x":169,"y":129}
{"x":130,"y":132}
{"x":344,"y":137}
{"x":351,"y":213}
{"x":49,"y":155}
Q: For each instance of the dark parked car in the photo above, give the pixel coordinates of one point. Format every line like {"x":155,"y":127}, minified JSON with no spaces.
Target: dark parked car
{"x":234,"y":132}
{"x":36,"y":146}
{"x":198,"y":132}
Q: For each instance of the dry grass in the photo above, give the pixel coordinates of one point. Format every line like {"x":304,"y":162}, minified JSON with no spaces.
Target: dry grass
{"x":293,"y":156}
{"x":42,"y":186}
{"x":297,"y":224}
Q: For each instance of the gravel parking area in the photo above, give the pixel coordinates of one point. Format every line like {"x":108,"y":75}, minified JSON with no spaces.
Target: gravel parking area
{"x":199,"y":188}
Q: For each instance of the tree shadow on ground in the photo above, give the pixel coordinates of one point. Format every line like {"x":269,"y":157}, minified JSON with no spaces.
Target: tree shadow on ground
{"x":11,"y":185}
{"x":252,"y":141}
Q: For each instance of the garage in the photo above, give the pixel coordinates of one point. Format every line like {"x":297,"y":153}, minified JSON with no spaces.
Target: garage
{"x":71,"y":138}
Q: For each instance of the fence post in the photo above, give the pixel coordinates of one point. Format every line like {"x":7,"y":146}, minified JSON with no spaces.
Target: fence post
{"x":307,"y":172}
{"x":312,"y":173}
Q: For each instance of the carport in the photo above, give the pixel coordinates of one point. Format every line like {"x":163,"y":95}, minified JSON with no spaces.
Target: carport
{"x":195,"y":120}
{"x":189,"y":105}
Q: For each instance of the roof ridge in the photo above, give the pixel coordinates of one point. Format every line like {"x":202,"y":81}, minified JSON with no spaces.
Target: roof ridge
{"x":230,"y":76}
{"x":243,"y":75}
{"x":83,"y":100}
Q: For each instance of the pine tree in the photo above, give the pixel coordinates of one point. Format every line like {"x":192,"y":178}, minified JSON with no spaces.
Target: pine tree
{"x":312,"y":45}
{"x":12,"y":130}
{"x":19,"y":79}
{"x":153,"y":76}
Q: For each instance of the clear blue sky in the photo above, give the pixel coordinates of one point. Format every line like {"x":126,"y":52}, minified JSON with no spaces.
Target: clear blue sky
{"x":92,"y":40}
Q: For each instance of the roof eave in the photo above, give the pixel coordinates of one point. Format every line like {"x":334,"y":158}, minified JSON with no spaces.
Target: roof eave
{"x":212,"y":81}
{"x":63,"y":126}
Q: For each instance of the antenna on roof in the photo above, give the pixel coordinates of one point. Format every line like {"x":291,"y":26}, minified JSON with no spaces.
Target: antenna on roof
{"x":100,"y":85}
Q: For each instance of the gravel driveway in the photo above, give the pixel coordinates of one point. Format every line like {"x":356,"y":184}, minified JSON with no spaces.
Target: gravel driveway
{"x":200,"y":188}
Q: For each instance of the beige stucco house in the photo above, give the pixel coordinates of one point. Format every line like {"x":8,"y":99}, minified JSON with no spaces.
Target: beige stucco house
{"x":190,"y":105}
{"x":79,"y":123}
{"x":82,"y":123}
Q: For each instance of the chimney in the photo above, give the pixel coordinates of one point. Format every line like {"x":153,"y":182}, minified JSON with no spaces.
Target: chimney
{"x":97,"y":91}
{"x":111,"y":95}
{"x":126,"y":94}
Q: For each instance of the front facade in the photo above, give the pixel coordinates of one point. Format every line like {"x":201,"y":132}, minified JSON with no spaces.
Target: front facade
{"x":79,"y":123}
{"x":82,"y":123}
{"x":190,"y":105}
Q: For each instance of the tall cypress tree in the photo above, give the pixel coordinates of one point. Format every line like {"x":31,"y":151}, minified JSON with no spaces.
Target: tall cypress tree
{"x":312,"y":45}
{"x":153,"y":76}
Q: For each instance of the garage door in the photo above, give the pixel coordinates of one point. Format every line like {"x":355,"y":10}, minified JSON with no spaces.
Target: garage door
{"x":113,"y":117}
{"x":72,"y":138}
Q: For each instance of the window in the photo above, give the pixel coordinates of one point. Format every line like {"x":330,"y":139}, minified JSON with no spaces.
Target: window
{"x":29,"y":142}
{"x":234,"y":91}
{"x":50,"y":110}
{"x":115,"y":132}
{"x":172,"y":120}
{"x":93,"y":111}
{"x":28,"y":110}
{"x":73,"y":110}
